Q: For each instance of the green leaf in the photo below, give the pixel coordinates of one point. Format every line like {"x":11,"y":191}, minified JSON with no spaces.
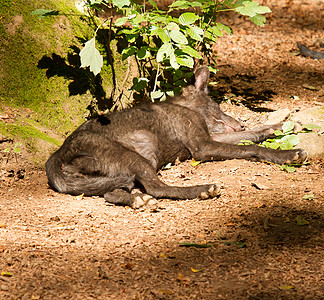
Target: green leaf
{"x":153,"y":3}
{"x":121,"y":21}
{"x":228,"y":29}
{"x":160,"y":18}
{"x":173,"y":61}
{"x":16,"y":150}
{"x":186,"y":61}
{"x":288,"y":142}
{"x":216,"y":31}
{"x":121,"y":3}
{"x":258,"y":20}
{"x":311,"y":126}
{"x":162,"y":35}
{"x":278,"y":132}
{"x":301,"y":221}
{"x":173,"y":26}
{"x":165,"y":51}
{"x":92,"y":2}
{"x":143,"y":53}
{"x":41,"y":13}
{"x":131,"y":38}
{"x":139,"y":84}
{"x":236,"y":243}
{"x":188,"y":18}
{"x":287,"y":287}
{"x":170,"y":93}
{"x":288,"y":169}
{"x":220,"y":26}
{"x":127,"y":52}
{"x":308,"y":197}
{"x":191,"y":51}
{"x":212,"y":33}
{"x":180,"y":4}
{"x":195,"y":33}
{"x":288,"y":126}
{"x":138,"y":19}
{"x":6,"y":274}
{"x":90,"y":57}
{"x":309,"y":87}
{"x":246,"y":142}
{"x":213,"y":70}
{"x":157,"y":94}
{"x":178,"y":37}
{"x":251,"y":9}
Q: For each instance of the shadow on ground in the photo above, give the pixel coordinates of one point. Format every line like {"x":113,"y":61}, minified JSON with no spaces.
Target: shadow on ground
{"x":258,"y":250}
{"x":81,"y":80}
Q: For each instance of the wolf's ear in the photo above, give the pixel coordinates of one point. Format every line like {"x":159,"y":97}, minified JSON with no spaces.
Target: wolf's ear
{"x":201,"y":78}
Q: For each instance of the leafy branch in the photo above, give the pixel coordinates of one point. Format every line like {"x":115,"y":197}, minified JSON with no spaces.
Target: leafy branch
{"x":286,"y":139}
{"x":12,"y":150}
{"x":165,"y":45}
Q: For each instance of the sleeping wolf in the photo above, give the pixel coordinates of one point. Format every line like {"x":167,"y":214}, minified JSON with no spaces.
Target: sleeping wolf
{"x":106,"y":156}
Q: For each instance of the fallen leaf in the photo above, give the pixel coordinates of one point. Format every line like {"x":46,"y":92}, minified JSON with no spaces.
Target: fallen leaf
{"x":167,"y":292}
{"x":236,"y":243}
{"x":287,"y":287}
{"x":194,"y":270}
{"x":79,"y":197}
{"x":308,"y":197}
{"x":195,"y":163}
{"x":6,"y":274}
{"x":259,"y":205}
{"x":129,"y":266}
{"x":288,"y":169}
{"x":229,"y":224}
{"x":294,"y":97}
{"x":309,"y":87}
{"x":3,"y":225}
{"x":181,"y":278}
{"x":195,"y":245}
{"x":301,"y":221}
{"x":168,"y":166}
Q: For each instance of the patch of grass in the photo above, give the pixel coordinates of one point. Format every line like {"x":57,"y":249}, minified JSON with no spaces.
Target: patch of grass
{"x":22,"y":82}
{"x":26,"y":132}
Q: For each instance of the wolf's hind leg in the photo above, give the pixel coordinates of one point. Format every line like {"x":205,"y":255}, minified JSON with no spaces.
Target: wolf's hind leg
{"x":124,"y":198}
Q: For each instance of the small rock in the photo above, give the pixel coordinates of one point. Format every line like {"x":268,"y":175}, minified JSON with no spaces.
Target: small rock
{"x":4,"y":287}
{"x":55,"y":219}
{"x":277,"y":116}
{"x":259,"y":186}
{"x":312,"y":142}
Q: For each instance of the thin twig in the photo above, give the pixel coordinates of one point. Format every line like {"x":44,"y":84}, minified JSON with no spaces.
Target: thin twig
{"x":111,"y":60}
{"x":124,"y":82}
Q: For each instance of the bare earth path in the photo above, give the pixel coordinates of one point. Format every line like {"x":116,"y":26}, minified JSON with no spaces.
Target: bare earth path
{"x":262,"y":239}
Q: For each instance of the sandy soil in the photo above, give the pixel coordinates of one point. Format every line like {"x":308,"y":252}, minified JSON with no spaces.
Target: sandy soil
{"x":262,"y":239}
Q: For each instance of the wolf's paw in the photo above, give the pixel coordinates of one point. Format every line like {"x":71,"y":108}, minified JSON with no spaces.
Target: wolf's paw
{"x":298,"y":156}
{"x":145,"y":201}
{"x":213,"y":191}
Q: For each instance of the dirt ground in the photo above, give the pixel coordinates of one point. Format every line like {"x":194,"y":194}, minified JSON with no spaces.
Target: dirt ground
{"x":261,"y":239}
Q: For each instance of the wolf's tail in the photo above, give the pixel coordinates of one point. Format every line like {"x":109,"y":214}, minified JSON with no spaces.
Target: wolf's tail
{"x":89,"y":185}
